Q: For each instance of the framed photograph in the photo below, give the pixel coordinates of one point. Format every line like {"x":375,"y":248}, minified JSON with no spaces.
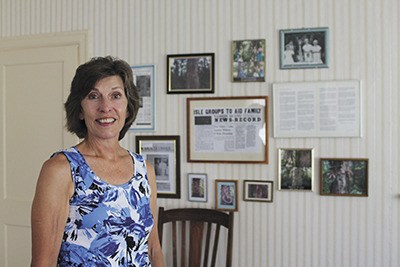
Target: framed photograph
{"x":258,"y":190}
{"x":344,"y":177}
{"x":226,"y":195}
{"x":227,"y":129}
{"x":317,"y":109}
{"x":304,"y":48}
{"x":163,"y":152}
{"x":197,"y":187}
{"x":143,"y":78}
{"x":295,"y":169}
{"x":190,"y":74}
{"x":248,"y":60}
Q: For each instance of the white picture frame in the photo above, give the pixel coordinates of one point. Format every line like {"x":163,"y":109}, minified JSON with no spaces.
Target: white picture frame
{"x":197,"y":187}
{"x":317,"y":109}
{"x":144,"y":80}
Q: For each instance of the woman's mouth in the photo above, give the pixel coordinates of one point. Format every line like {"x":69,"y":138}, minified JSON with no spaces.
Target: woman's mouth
{"x":106,"y":120}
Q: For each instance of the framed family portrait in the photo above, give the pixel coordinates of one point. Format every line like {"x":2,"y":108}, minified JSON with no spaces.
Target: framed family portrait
{"x":190,"y":73}
{"x":304,"y":48}
{"x":226,"y":195}
{"x":295,"y":169}
{"x":344,"y":177}
{"x":227,"y":129}
{"x":258,"y":190}
{"x":143,"y":78}
{"x":197,"y":187}
{"x":248,"y":60}
{"x":163,"y":152}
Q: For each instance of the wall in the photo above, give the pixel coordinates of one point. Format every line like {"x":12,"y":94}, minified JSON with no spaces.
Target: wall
{"x":298,"y":228}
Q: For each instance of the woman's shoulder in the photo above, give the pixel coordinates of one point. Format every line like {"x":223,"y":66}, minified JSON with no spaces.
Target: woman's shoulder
{"x":58,"y":162}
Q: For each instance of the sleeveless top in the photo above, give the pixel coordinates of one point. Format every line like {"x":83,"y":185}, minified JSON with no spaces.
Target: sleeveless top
{"x":108,"y":225}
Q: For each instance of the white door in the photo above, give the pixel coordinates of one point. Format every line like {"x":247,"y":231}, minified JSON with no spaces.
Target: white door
{"x":35,"y":76}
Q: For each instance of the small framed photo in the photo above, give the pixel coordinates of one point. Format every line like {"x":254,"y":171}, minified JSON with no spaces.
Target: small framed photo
{"x":344,"y":177}
{"x":257,"y":190}
{"x":190,"y":73}
{"x":248,"y":60}
{"x":143,"y":78}
{"x":304,"y":48}
{"x":163,"y":152}
{"x":226,"y":195}
{"x":295,"y":169}
{"x":197,"y":187}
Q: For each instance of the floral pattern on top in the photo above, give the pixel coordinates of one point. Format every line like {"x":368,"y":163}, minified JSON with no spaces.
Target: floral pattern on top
{"x":108,"y":225}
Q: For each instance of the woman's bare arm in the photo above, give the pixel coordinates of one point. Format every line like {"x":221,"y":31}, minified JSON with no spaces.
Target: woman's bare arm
{"x":50,"y":210}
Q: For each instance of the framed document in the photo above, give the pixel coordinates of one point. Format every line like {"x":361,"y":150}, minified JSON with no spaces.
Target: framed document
{"x":227,"y":129}
{"x":163,"y":152}
{"x":317,"y":109}
{"x":143,"y":78}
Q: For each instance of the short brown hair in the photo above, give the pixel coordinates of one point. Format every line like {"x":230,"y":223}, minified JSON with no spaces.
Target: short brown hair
{"x":86,"y":77}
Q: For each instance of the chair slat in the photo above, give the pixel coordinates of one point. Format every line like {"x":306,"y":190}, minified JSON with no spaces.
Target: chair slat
{"x":207,"y":245}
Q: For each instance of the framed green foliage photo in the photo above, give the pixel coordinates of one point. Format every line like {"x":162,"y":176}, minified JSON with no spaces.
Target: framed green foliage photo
{"x":344,"y":177}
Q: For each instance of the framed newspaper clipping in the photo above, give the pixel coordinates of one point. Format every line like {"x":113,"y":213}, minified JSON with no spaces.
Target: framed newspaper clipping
{"x":163,"y":152}
{"x":227,"y":129}
{"x":143,"y":77}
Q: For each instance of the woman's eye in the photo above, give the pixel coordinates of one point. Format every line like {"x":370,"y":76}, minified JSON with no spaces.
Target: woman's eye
{"x":117,"y":95}
{"x":92,"y":96}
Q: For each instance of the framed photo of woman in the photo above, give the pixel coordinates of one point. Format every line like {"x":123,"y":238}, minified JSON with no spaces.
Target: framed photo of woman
{"x":226,"y":195}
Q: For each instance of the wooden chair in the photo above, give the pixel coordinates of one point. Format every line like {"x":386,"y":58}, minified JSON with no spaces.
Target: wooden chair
{"x":197,"y":219}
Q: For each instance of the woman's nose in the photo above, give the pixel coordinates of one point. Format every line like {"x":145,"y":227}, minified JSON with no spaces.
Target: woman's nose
{"x":105,"y":105}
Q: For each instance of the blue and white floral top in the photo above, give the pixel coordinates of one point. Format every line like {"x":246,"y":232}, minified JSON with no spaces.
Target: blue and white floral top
{"x":108,"y":225}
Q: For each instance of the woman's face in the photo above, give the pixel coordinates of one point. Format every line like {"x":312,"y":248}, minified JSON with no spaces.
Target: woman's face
{"x":104,"y":109}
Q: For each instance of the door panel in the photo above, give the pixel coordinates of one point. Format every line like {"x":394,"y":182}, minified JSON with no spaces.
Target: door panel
{"x":34,"y":84}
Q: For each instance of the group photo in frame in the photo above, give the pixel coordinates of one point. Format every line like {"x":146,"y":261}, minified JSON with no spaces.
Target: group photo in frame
{"x":143,"y":78}
{"x":258,"y":190}
{"x":295,"y":168}
{"x":226,"y":195}
{"x":248,"y":60}
{"x":197,"y":187}
{"x":190,"y":73}
{"x":304,"y":48}
{"x":163,"y":152}
{"x":344,"y":177}
{"x":227,"y":129}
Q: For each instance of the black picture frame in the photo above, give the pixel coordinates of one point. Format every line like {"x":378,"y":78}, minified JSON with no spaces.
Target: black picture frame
{"x":163,"y":152}
{"x":258,"y":190}
{"x":191,"y":73}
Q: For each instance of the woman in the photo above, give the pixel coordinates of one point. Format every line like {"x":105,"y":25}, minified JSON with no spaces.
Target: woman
{"x":94,"y":202}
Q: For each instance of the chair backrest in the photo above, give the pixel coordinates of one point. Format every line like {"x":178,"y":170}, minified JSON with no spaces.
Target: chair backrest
{"x":193,"y":221}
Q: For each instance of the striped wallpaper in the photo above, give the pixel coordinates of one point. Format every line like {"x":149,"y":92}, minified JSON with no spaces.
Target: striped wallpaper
{"x":299,"y":229}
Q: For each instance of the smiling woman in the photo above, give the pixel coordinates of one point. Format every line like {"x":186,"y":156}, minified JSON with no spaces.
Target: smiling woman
{"x":103,"y":216}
